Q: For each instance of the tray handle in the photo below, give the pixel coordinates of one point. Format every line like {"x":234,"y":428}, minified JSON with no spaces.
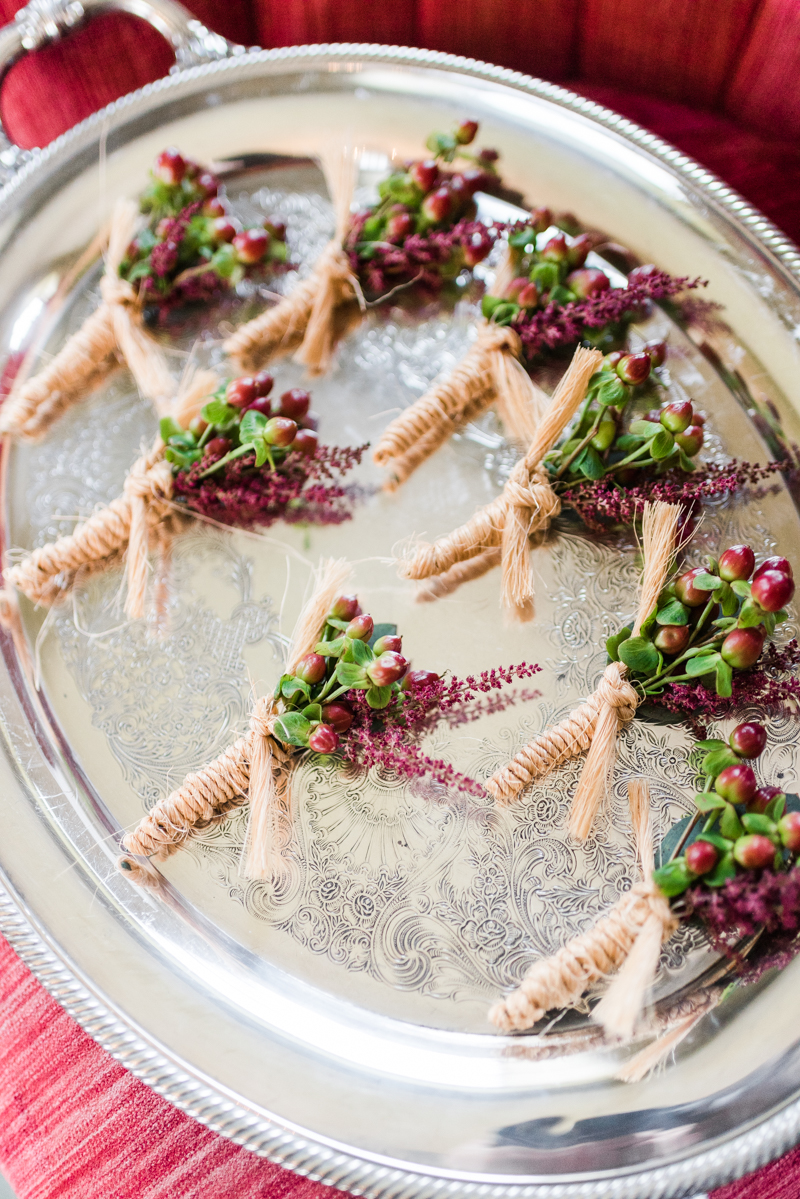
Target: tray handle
{"x":41,"y":22}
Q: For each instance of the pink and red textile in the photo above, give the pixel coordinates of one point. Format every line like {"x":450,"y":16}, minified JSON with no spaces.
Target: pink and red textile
{"x":718,"y":79}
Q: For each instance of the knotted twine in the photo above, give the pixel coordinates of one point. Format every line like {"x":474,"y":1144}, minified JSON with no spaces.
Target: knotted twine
{"x":116,"y":326}
{"x":626,"y":941}
{"x":257,"y":766}
{"x":489,"y":373}
{"x":595,"y":723}
{"x":526,"y":505}
{"x":321,"y":309}
{"x":126,"y":524}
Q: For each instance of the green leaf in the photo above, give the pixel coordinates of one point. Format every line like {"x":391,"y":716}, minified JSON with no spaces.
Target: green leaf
{"x":686,"y":462}
{"x":741,"y":588}
{"x":613,"y":643}
{"x":590,"y":464}
{"x":716,"y":761}
{"x":707,"y":582}
{"x":673,"y":613}
{"x":292,"y":728}
{"x":216,"y":412}
{"x":382,"y":630}
{"x":712,"y":743}
{"x":168,"y":427}
{"x":646,"y":428}
{"x":489,"y":304}
{"x":702,"y":664}
{"x":708,"y":801}
{"x":544,"y":275}
{"x":720,"y":843}
{"x":673,"y":878}
{"x":628,"y":442}
{"x":313,"y":712}
{"x":521,"y":239}
{"x":730,"y":825}
{"x":291,"y":687}
{"x":723,"y":623}
{"x":639,"y":655}
{"x":252,"y":426}
{"x":729,"y":600}
{"x":750,"y":616}
{"x":611,"y":392}
{"x":330,"y":649}
{"x":755,"y":822}
{"x":662,"y":445}
{"x":182,"y":458}
{"x":362,"y":654}
{"x":724,"y":869}
{"x":769,"y":623}
{"x":379,"y":697}
{"x":724,"y":679}
{"x":775,"y":807}
{"x":337,"y":624}
{"x":672,"y":839}
{"x":351,"y":675}
{"x":780,"y":616}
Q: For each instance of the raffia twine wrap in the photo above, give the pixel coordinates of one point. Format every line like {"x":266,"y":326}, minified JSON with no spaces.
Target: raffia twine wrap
{"x":594,"y":725}
{"x":321,"y":310}
{"x":625,"y":942}
{"x":526,"y":505}
{"x":256,"y":766}
{"x":115,"y":327}
{"x":125,"y":525}
{"x":489,"y":373}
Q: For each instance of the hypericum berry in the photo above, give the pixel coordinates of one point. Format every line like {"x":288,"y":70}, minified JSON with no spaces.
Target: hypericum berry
{"x":438,"y":205}
{"x":264,"y":382}
{"x":781,"y":564}
{"x":515,"y":288}
{"x":610,"y":363}
{"x":387,"y":669}
{"x":223,"y":229}
{"x":657,"y":351}
{"x":691,"y":440}
{"x":691,"y":596}
{"x":338,"y":715}
{"x":736,"y":783}
{"x":310,"y":421}
{"x":748,"y":739}
{"x":737,"y":563}
{"x":528,"y":296}
{"x":214,"y":207}
{"x":588,"y":281}
{"x":419,"y":678}
{"x":676,"y":416}
{"x":578,"y":251}
{"x":280,"y":432}
{"x":763,"y":798}
{"x":634,"y":368}
{"x":556,"y":249}
{"x":672,"y":638}
{"x":218,"y":447}
{"x":324,"y":739}
{"x":742,"y":647}
{"x":700,"y":418}
{"x":488,"y":155}
{"x":346,"y":607}
{"x":275,"y":228}
{"x":789,"y":830}
{"x":207,"y":184}
{"x":754,"y":852}
{"x":263,"y":405}
{"x":306,"y":443}
{"x":311,"y":669}
{"x":390,"y":642}
{"x":541,"y":219}
{"x":198,"y":426}
{"x":772,"y":590}
{"x":425,"y":174}
{"x":170,"y":165}
{"x":465,"y":133}
{"x":361,"y":628}
{"x":240,"y":393}
{"x":701,"y":856}
{"x":398,"y":226}
{"x":251,"y":245}
{"x":606,"y":432}
{"x":476,"y":250}
{"x":294,"y":403}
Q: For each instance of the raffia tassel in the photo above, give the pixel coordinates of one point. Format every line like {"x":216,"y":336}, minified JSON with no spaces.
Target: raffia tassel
{"x":257,"y":766}
{"x":654,"y":1055}
{"x":561,"y":980}
{"x":116,"y":326}
{"x":526,"y":505}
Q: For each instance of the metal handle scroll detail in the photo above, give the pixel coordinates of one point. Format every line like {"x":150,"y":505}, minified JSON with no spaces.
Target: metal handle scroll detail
{"x":41,"y":22}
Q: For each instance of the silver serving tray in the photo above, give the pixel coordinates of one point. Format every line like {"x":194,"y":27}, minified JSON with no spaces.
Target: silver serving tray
{"x":338,"y":1024}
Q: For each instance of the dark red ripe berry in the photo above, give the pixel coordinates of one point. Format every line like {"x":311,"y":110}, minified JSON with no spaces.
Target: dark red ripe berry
{"x":748,"y":739}
{"x":387,"y":669}
{"x":240,"y":393}
{"x":588,"y":281}
{"x":610,"y":363}
{"x":280,"y":432}
{"x":672,"y":638}
{"x":487,"y":155}
{"x":465,"y":133}
{"x":736,"y":783}
{"x":754,"y":852}
{"x":634,"y":368}
{"x":424,"y":174}
{"x":217,"y":447}
{"x":214,"y":207}
{"x":781,"y":564}
{"x":305,"y":443}
{"x":275,"y":228}
{"x":686,"y":593}
{"x":311,"y":668}
{"x":207,"y":183}
{"x":198,"y":426}
{"x":263,"y":405}
{"x":737,"y":563}
{"x":772,"y":590}
{"x":310,"y":421}
{"x":476,"y":250}
{"x":389,"y":642}
{"x":701,"y":856}
{"x":324,"y":739}
{"x":579,"y":250}
{"x":541,"y":219}
{"x":763,"y":798}
{"x":657,"y":351}
{"x":223,"y":229}
{"x":556,"y":249}
{"x":337,"y":715}
{"x":264,"y":383}
{"x":398,"y":226}
{"x":742,"y":647}
{"x":700,"y":418}
{"x":345,"y":607}
{"x":360,"y":629}
{"x":515,"y":287}
{"x":677,"y":416}
{"x":438,"y":205}
{"x":641,"y":274}
{"x":170,"y":166}
{"x":294,"y":403}
{"x":529,"y":296}
{"x":419,"y":678}
{"x":789,"y":830}
{"x":251,"y":245}
{"x":691,"y":441}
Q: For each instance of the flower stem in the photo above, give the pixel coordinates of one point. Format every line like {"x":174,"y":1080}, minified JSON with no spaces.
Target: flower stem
{"x":580,"y":447}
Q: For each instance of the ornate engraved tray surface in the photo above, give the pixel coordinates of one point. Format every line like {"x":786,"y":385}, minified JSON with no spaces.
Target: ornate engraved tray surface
{"x":337,"y":1022}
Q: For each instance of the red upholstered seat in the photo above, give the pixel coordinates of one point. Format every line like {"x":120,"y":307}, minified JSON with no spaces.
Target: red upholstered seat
{"x":718,"y":78}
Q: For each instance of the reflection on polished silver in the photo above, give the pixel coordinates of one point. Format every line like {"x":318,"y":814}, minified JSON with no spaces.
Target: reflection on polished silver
{"x":348,"y":1012}
{"x":44,"y":21}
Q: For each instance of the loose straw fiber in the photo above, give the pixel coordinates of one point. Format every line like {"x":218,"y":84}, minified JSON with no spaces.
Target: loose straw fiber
{"x":87,"y":356}
{"x":322,"y":308}
{"x":256,"y":763}
{"x":595,"y":723}
{"x":627,"y":939}
{"x":526,"y":505}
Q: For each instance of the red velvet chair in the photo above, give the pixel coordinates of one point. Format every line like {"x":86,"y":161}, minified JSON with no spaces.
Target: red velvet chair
{"x":717,"y":78}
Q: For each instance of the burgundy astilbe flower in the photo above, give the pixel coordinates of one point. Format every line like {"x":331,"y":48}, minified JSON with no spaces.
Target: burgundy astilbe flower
{"x":420,"y":258}
{"x":299,"y":491}
{"x":164,"y":255}
{"x":771,"y":686}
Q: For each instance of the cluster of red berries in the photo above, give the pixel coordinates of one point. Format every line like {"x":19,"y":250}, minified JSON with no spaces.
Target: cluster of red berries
{"x":554,"y":274}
